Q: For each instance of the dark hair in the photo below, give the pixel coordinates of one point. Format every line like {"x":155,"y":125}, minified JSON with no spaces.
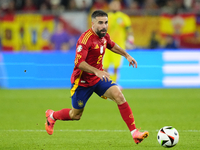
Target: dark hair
{"x":99,"y":13}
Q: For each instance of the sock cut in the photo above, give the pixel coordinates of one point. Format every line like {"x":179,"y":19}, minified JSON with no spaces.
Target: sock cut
{"x":127,"y":115}
{"x":62,"y":114}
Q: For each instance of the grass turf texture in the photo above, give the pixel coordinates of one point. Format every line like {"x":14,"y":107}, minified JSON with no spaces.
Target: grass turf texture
{"x":22,"y":115}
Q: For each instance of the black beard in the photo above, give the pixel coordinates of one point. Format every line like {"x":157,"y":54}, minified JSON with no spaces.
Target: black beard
{"x":98,"y":32}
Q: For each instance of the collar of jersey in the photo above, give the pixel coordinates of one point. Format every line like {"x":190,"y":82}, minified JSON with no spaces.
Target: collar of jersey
{"x":93,"y":32}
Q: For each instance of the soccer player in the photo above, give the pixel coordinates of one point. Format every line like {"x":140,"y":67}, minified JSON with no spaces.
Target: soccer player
{"x":120,"y":31}
{"x":88,"y":76}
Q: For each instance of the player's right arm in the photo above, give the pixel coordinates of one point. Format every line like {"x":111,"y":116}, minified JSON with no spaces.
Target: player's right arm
{"x":117,"y":49}
{"x":81,"y":54}
{"x":84,"y":66}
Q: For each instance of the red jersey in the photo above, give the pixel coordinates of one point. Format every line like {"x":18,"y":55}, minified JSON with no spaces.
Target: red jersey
{"x":89,"y":48}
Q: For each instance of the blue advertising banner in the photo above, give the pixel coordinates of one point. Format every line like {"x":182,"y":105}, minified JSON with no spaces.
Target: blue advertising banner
{"x":37,"y":70}
{"x":162,"y":69}
{"x":156,"y":69}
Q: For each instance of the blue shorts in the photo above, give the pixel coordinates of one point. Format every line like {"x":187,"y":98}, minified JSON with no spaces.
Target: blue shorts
{"x":82,"y":94}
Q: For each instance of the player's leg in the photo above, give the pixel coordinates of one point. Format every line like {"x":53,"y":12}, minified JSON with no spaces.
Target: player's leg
{"x":79,"y":97}
{"x":116,"y":62}
{"x":68,"y":114}
{"x":112,"y":91}
{"x":107,"y":60}
{"x":115,"y":94}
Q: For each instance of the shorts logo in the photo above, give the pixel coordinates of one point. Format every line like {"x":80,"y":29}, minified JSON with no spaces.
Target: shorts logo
{"x":80,"y":103}
{"x":79,"y":48}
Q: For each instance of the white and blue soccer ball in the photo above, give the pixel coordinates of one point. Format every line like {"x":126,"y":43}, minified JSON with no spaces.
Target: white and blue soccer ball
{"x":168,"y":136}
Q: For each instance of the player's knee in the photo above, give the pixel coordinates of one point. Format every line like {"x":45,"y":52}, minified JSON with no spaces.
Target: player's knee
{"x":119,"y":98}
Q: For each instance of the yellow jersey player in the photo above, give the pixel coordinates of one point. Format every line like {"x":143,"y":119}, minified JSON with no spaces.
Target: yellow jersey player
{"x":120,"y":30}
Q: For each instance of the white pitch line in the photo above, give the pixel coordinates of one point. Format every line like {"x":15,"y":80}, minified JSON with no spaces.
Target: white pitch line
{"x":65,"y":130}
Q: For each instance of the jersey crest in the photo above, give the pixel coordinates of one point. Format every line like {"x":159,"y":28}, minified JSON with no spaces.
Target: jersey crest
{"x":101,"y":50}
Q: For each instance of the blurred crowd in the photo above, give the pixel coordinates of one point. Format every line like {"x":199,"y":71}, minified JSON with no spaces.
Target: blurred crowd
{"x":60,"y":6}
{"x":167,"y":6}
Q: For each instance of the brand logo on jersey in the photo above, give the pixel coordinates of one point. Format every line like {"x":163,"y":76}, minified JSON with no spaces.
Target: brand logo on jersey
{"x":79,"y":48}
{"x":96,"y":47}
{"x":101,"y":50}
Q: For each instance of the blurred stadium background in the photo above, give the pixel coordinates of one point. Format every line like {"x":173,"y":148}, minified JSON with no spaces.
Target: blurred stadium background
{"x":166,"y":42}
{"x":35,"y":74}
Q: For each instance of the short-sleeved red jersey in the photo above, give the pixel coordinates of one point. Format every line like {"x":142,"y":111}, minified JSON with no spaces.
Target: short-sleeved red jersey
{"x":89,"y":48}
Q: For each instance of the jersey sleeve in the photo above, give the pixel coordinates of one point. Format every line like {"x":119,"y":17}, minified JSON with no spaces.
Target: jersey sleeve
{"x":110,"y":43}
{"x":81,"y":53}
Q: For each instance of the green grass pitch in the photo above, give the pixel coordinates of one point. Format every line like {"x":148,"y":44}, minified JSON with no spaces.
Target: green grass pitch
{"x":22,"y":118}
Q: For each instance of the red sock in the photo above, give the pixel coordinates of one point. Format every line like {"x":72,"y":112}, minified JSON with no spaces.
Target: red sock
{"x":127,"y":115}
{"x":62,"y":114}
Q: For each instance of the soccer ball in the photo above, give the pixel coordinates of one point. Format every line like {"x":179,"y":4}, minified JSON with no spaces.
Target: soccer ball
{"x":168,"y":136}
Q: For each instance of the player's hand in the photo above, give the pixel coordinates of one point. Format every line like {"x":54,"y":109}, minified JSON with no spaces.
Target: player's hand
{"x":132,"y":61}
{"x":103,"y":75}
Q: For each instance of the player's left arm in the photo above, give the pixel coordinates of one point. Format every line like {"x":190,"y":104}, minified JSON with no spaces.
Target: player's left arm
{"x":117,"y":49}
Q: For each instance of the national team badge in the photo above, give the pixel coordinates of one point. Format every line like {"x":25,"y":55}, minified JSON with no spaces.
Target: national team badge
{"x":79,"y":48}
{"x":101,"y":50}
{"x":104,"y":43}
{"x":80,"y":103}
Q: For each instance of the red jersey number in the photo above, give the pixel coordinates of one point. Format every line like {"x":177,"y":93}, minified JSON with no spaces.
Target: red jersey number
{"x":99,"y":59}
